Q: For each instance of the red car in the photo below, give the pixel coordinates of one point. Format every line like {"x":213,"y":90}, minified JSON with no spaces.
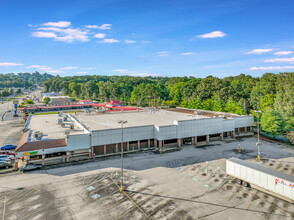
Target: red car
{"x":7,"y":152}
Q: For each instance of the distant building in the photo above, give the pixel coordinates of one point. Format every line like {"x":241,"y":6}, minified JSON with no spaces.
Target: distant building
{"x":50,"y":94}
{"x":59,"y":99}
{"x":85,"y":102}
{"x":114,"y":103}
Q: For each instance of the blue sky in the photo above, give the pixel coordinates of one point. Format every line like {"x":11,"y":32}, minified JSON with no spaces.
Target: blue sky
{"x":147,"y":37}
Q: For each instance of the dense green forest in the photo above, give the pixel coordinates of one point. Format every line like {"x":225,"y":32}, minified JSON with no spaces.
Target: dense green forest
{"x":22,"y":80}
{"x":272,"y":94}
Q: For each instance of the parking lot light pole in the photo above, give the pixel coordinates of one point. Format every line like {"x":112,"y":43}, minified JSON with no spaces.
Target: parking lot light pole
{"x":258,"y":142}
{"x":122,"y":122}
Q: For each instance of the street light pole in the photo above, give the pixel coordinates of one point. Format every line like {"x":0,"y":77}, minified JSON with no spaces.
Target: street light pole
{"x":258,"y":142}
{"x":122,"y":154}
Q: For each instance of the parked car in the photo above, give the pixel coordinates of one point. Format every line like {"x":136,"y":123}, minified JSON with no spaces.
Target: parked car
{"x":30,"y":166}
{"x":8,"y":147}
{"x":9,"y":154}
{"x":5,"y":163}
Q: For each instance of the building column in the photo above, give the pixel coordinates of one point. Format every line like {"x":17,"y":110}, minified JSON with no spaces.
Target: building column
{"x":149,"y":143}
{"x":238,"y":131}
{"x":128,"y":146}
{"x":139,"y":146}
{"x":195,"y":141}
{"x":43,"y":159}
{"x":16,"y":163}
{"x":160,"y":145}
{"x":179,"y":142}
{"x":116,"y":148}
{"x":207,"y":138}
{"x":221,"y":136}
{"x":245,"y":129}
{"x":67,"y":156}
{"x":93,"y":153}
{"x":155,"y":143}
{"x":90,"y":153}
{"x":105,"y":149}
{"x":233,"y":134}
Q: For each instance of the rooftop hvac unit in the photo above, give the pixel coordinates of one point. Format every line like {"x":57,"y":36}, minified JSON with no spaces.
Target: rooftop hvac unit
{"x":59,"y":121}
{"x":38,"y":135}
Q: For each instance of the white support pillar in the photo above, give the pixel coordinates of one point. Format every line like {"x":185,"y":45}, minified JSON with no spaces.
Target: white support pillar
{"x":128,"y":146}
{"x":207,"y":138}
{"x":245,"y":129}
{"x":139,"y":145}
{"x":160,"y":145}
{"x":179,"y":142}
{"x":105,"y":149}
{"x":195,"y":141}
{"x":155,"y":143}
{"x":221,"y":136}
{"x":149,"y":143}
{"x":116,"y":148}
{"x":43,"y":159}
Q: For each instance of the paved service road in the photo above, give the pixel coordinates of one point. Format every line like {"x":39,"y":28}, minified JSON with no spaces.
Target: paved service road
{"x":5,"y":107}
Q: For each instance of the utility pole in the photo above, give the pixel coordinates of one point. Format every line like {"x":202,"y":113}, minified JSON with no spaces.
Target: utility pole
{"x":122,"y":122}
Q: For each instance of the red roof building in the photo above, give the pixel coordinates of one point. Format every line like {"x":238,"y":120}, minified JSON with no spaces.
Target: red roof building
{"x":85,"y":101}
{"x":114,"y":103}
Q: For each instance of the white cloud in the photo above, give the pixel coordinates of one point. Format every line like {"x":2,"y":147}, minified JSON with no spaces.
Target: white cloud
{"x":213,"y":34}
{"x":57,"y":31}
{"x":283,"y":52}
{"x":121,"y":71}
{"x":44,"y":34}
{"x":10,"y":64}
{"x":105,"y":26}
{"x":99,"y":35}
{"x":91,"y":68}
{"x":58,"y":24}
{"x":187,"y":53}
{"x":70,"y":35}
{"x":82,"y":72}
{"x":69,"y":68}
{"x":272,"y":68}
{"x":102,"y":27}
{"x":45,"y":68}
{"x":37,"y":66}
{"x":54,"y":29}
{"x":54,"y":71}
{"x":92,"y":26}
{"x":143,"y":74}
{"x":130,"y":41}
{"x":259,"y":51}
{"x":162,"y":53}
{"x":280,"y":60}
{"x":110,"y":41}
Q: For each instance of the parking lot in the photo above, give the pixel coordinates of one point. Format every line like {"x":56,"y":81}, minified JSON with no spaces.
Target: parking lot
{"x":176,"y":185}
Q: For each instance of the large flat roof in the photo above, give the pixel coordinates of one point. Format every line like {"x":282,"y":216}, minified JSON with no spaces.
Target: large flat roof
{"x":48,"y":124}
{"x":96,"y":121}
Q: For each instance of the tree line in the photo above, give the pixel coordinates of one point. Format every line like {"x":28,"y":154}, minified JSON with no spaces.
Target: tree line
{"x":272,"y":94}
{"x":22,"y":80}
